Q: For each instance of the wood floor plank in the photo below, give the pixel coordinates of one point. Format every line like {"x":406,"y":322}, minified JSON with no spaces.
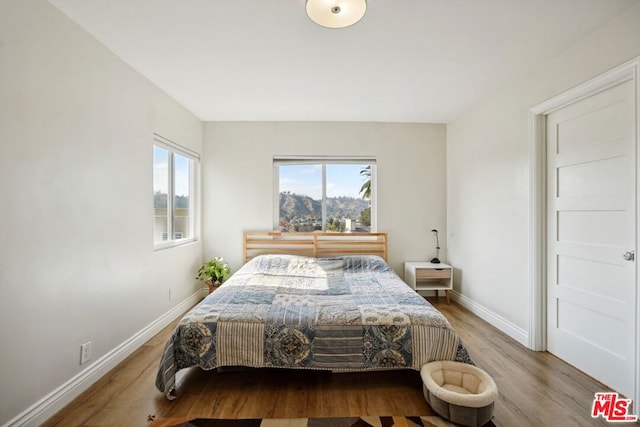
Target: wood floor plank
{"x":536,"y":388}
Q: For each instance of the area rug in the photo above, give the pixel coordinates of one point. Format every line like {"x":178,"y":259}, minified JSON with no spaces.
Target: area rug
{"x":418,"y":421}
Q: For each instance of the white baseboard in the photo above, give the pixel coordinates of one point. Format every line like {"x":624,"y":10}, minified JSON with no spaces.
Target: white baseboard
{"x":46,"y":407}
{"x":504,"y":325}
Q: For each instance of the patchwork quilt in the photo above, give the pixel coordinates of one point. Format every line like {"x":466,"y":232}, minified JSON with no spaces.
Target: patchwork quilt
{"x":349,"y":313}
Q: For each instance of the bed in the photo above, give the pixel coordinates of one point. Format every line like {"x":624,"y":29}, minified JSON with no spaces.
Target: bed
{"x":334,"y":305}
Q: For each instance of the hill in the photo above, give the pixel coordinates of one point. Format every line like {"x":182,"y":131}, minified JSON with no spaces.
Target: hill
{"x":301,"y":206}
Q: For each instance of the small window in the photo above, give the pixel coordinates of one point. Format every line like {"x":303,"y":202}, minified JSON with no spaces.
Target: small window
{"x":327,"y":195}
{"x":174,"y":169}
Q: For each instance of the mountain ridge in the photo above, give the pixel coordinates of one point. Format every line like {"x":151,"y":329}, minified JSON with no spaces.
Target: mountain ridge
{"x":297,"y":205}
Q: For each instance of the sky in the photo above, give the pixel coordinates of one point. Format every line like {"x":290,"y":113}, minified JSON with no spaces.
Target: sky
{"x":342,"y":180}
{"x":161,"y":168}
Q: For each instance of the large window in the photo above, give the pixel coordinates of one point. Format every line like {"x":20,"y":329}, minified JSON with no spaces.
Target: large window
{"x":174,"y":171}
{"x":324,"y":194}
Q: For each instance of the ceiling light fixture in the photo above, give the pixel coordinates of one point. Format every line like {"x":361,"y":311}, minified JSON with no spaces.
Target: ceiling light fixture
{"x":336,"y":13}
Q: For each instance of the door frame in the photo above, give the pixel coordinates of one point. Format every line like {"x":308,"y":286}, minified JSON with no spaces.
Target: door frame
{"x":537,"y":202}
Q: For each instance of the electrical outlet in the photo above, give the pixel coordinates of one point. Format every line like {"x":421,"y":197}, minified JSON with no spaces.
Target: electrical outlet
{"x":85,"y":352}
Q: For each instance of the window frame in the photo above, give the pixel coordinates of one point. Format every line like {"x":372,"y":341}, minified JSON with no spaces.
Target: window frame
{"x":194,"y":165}
{"x":324,"y":161}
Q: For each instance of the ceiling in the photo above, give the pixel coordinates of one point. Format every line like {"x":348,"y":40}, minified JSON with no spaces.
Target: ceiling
{"x":405,"y":61}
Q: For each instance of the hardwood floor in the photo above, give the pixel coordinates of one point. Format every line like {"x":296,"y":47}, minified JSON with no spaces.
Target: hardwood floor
{"x":536,"y":389}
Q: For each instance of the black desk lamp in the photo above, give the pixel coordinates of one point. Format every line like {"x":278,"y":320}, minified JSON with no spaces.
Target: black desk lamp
{"x":436,"y":260}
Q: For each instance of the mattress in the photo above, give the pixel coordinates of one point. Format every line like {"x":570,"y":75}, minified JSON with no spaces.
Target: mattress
{"x":350,"y":313}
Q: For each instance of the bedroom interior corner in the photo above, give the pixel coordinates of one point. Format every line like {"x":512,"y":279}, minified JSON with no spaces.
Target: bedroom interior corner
{"x":77,"y":125}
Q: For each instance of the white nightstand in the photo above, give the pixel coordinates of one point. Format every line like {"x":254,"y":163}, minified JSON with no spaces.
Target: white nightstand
{"x":426,"y":276}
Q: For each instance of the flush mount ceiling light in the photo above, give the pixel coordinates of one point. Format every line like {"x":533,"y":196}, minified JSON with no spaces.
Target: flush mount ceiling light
{"x":336,"y":13}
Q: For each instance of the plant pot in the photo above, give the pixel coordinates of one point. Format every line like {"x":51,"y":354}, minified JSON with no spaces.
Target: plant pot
{"x":211,"y":285}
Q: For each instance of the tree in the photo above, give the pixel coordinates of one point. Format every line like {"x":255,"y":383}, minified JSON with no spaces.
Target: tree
{"x":365,"y":190}
{"x":334,"y":224}
{"x":365,"y":217}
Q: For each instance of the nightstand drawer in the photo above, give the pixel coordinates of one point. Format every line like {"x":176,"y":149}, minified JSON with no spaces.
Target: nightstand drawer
{"x":430,"y":273}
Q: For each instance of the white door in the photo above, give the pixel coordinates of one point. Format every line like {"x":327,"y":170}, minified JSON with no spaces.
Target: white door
{"x":591,"y":217}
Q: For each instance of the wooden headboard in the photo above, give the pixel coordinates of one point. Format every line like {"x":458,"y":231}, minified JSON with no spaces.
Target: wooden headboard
{"x":316,"y":244}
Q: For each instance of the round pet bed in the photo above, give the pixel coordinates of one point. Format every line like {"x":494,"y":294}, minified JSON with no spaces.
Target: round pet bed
{"x":459,"y":392}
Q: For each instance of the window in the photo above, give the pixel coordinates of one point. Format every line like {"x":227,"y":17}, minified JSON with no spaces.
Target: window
{"x":174,"y":171}
{"x":336,"y":194}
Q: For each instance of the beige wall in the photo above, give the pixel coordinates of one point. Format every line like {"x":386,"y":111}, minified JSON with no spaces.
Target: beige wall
{"x":238,"y":178}
{"x":76,"y":261}
{"x":488,"y":172}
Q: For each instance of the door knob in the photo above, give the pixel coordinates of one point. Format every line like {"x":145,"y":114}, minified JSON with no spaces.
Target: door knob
{"x":629,"y":256}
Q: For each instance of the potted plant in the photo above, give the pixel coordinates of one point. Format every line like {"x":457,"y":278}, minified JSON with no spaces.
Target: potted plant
{"x":214,"y":272}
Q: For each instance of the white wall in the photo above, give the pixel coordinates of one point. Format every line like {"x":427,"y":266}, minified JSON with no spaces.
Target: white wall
{"x":238,"y":179}
{"x":488,"y":171}
{"x":76,"y":260}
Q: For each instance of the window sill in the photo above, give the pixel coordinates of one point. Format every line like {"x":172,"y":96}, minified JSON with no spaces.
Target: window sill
{"x":173,"y":244}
